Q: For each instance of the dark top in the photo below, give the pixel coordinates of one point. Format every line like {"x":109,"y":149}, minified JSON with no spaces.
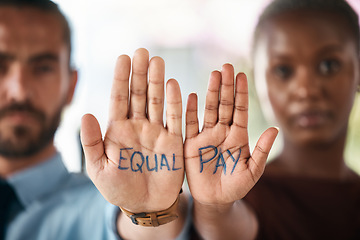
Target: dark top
{"x":303,"y":208}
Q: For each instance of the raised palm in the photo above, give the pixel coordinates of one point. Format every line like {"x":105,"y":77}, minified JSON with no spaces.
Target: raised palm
{"x":219,"y":166}
{"x":139,"y":164}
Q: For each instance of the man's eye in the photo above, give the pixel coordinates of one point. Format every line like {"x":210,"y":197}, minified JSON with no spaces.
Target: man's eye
{"x":3,"y":68}
{"x":329,"y":66}
{"x":44,"y":69}
{"x":283,"y":71}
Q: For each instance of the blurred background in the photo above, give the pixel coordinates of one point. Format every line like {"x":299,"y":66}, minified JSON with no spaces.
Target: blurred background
{"x":194,"y":37}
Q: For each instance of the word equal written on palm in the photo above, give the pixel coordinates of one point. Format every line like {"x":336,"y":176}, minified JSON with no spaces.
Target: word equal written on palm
{"x":139,"y":165}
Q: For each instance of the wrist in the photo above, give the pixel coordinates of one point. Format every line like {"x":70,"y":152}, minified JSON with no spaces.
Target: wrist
{"x":154,"y":219}
{"x":215,"y":208}
{"x":225,"y":221}
{"x":128,"y":230}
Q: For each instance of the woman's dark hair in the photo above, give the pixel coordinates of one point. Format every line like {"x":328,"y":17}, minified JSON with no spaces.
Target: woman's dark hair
{"x":340,"y":7}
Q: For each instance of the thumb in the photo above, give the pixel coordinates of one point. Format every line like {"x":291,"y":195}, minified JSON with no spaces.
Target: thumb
{"x":261,"y":152}
{"x":91,"y":140}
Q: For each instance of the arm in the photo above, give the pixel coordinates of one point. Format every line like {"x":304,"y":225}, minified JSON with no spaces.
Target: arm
{"x":219,"y":166}
{"x":139,"y":164}
{"x":229,"y":221}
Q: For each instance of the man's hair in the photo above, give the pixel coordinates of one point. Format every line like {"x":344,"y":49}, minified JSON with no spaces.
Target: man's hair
{"x":339,"y":7}
{"x":46,"y":6}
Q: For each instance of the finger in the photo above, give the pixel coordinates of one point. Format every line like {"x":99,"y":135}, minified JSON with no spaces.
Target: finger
{"x":240,"y":118}
{"x":212,"y":100}
{"x":155,"y":96}
{"x":119,"y":96}
{"x":138,"y":85}
{"x":173,"y":107}
{"x":92,"y":143}
{"x":192,"y":123}
{"x":261,"y":152}
{"x":226,"y":105}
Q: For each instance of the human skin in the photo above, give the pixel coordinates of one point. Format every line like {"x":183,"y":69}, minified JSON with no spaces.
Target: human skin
{"x":34,"y":69}
{"x":135,"y":126}
{"x":226,"y":175}
{"x":312,"y":76}
{"x":122,"y":165}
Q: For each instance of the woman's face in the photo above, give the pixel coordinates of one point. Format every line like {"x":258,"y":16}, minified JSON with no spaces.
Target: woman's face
{"x":312,"y":74}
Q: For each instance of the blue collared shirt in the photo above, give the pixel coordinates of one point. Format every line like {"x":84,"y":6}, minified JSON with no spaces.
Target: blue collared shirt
{"x":57,"y":205}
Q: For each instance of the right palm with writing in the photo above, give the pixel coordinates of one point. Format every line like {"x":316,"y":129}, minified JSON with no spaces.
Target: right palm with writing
{"x":219,"y":166}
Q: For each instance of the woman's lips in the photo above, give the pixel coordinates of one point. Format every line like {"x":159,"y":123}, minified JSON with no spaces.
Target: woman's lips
{"x":313,"y":119}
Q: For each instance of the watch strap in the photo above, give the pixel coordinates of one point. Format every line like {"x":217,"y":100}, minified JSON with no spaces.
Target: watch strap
{"x":154,"y":219}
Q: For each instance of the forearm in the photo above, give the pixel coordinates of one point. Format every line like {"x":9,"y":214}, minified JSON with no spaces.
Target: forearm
{"x":231,"y":221}
{"x":128,"y":230}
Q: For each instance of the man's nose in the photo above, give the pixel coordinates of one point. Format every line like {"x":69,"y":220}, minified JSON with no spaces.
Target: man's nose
{"x":17,"y":84}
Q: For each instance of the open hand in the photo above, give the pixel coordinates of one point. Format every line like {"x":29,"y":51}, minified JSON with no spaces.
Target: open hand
{"x":219,"y":166}
{"x":139,"y":164}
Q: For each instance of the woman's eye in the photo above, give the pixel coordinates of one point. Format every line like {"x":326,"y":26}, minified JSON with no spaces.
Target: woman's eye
{"x":283,"y":71}
{"x":329,"y":66}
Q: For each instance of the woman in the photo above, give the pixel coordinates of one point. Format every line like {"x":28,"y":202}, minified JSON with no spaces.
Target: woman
{"x":307,"y":56}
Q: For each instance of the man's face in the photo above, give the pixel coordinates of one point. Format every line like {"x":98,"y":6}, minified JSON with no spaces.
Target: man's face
{"x":35,"y":80}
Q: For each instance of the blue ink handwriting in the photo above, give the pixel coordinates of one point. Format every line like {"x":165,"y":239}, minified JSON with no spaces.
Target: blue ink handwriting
{"x":220,"y":161}
{"x":137,"y":161}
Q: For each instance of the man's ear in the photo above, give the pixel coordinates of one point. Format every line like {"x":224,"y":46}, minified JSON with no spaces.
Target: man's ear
{"x":71,"y":89}
{"x":358,"y":80}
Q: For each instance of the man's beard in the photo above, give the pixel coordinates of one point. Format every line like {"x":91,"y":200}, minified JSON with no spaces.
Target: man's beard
{"x":31,"y":144}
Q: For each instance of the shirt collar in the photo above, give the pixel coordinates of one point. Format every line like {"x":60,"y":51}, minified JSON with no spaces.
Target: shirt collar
{"x":35,"y":182}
